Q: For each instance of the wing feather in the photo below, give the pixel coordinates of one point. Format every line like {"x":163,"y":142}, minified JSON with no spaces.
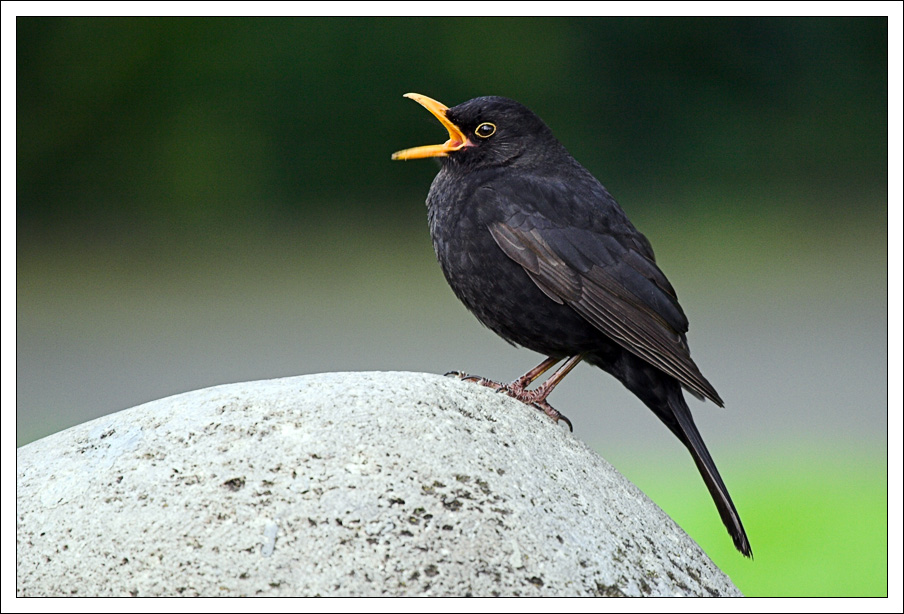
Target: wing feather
{"x":615,"y":288}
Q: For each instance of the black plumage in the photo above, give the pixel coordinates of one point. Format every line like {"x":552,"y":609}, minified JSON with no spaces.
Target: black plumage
{"x":541,"y":253}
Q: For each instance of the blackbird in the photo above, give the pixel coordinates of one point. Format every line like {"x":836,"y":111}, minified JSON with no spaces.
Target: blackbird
{"x":541,"y":253}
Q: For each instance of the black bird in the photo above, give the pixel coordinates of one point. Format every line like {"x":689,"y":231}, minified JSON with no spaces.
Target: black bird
{"x":541,"y":253}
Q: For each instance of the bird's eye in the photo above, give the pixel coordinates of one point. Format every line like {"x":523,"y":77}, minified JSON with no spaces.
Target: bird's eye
{"x":485,"y":130}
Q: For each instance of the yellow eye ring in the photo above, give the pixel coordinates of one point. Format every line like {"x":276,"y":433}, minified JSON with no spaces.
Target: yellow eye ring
{"x":485,"y":130}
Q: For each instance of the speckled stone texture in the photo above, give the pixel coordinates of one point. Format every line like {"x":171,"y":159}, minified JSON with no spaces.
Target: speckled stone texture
{"x":340,"y":484}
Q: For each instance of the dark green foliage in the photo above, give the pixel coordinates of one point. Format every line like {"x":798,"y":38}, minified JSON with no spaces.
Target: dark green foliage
{"x":176,"y":123}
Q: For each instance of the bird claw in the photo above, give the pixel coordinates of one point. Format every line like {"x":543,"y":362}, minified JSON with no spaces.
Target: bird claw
{"x":515,"y":391}
{"x":496,"y":386}
{"x":553,"y":413}
{"x":471,"y":378}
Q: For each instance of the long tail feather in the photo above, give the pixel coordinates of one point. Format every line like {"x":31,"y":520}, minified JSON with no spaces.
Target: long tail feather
{"x":707,"y":467}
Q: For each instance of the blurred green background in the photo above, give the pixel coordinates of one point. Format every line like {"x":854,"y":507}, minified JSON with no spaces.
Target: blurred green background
{"x":204,"y":201}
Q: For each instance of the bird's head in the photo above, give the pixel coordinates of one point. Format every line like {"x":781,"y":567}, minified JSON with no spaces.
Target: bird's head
{"x":485,"y":131}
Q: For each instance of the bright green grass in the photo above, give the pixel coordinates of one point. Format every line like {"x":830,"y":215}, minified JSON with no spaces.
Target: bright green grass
{"x":817,"y":522}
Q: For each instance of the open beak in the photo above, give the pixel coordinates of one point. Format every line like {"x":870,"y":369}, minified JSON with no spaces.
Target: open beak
{"x":456,"y":141}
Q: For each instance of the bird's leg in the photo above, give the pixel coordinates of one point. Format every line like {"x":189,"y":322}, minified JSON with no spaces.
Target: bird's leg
{"x":539,"y":395}
{"x":517,"y":388}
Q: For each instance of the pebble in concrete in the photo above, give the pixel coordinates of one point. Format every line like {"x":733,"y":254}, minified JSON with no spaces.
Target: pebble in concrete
{"x":340,"y":484}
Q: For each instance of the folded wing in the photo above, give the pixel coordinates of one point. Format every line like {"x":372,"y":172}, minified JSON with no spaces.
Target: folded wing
{"x":612,"y":285}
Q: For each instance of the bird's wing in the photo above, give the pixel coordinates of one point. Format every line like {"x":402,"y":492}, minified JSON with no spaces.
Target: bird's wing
{"x":611,"y":284}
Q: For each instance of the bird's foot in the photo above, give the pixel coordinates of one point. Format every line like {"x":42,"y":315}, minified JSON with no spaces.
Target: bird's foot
{"x":553,"y":413}
{"x":477,"y":380}
{"x":516,"y":390}
{"x":536,"y":398}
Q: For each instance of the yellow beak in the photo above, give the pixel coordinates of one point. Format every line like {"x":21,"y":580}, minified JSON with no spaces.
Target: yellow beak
{"x":457,"y":138}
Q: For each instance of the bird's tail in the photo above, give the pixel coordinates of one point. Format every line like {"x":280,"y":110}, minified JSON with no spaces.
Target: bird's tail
{"x":694,"y":442}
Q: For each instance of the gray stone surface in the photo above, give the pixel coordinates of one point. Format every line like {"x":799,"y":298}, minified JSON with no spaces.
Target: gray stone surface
{"x":340,"y":484}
